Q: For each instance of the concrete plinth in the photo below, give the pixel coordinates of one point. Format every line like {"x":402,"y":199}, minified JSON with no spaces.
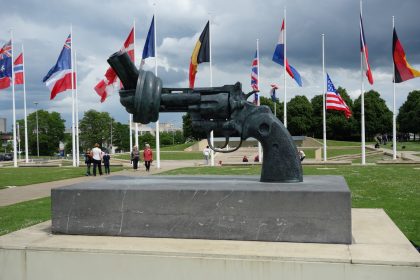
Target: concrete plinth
{"x":379,"y":252}
{"x":317,"y":210}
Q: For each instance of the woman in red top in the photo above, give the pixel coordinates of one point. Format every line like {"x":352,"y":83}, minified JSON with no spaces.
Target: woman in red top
{"x":148,"y":157}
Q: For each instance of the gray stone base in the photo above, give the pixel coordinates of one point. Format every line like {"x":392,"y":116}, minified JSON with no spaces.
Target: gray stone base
{"x":317,"y":210}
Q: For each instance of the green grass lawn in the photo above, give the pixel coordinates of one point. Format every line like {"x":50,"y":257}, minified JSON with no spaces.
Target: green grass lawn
{"x":408,"y":146}
{"x":32,"y":175}
{"x":179,"y":147}
{"x":394,"y":188}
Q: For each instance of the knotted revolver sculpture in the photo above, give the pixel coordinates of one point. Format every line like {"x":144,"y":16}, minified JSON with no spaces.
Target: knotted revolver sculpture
{"x":223,"y":110}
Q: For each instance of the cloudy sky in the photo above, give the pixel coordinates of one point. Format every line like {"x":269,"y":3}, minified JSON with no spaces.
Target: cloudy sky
{"x":100,"y":27}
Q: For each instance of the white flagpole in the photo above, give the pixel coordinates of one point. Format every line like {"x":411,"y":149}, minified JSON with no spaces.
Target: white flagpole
{"x":362,"y":96}
{"x":130,"y":120}
{"x":72,"y":99}
{"x":14,"y":104}
{"x":394,"y":115}
{"x":136,"y":132}
{"x":24,"y":107}
{"x":324,"y":121}
{"x":157,"y":122}
{"x":211,"y":85}
{"x":285,"y":72}
{"x":77,"y":112}
{"x":258,"y":81}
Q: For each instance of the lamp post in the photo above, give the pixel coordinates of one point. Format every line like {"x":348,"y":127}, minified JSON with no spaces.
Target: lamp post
{"x":37,"y":130}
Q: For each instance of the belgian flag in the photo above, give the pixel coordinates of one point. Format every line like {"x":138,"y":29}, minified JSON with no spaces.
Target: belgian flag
{"x":200,"y":54}
{"x":403,"y":70}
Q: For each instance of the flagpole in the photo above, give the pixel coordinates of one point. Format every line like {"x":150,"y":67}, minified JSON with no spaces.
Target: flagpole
{"x":77,"y":112}
{"x":259,"y":95}
{"x":211,"y":85}
{"x":136,"y":135}
{"x":73,"y":138}
{"x":157,"y":122}
{"x":394,"y":116}
{"x":24,"y":107}
{"x":362,"y":96}
{"x":284,"y":70}
{"x":324,"y":121}
{"x":14,"y":105}
{"x":130,"y":119}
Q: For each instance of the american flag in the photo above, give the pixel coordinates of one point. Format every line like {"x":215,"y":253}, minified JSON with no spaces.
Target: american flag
{"x":254,"y":72}
{"x":334,"y":101}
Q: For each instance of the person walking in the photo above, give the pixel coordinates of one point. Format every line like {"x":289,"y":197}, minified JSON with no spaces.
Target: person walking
{"x":88,"y":161}
{"x":105,"y":159}
{"x":97,"y":159}
{"x":206,"y":154}
{"x":135,"y":156}
{"x":147,"y":156}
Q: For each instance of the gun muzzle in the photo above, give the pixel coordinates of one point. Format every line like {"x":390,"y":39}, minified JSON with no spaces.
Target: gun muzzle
{"x":125,"y":69}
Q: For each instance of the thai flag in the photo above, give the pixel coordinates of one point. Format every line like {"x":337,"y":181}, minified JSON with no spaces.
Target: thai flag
{"x":18,"y":68}
{"x":333,"y":100}
{"x":5,"y":65}
{"x":364,"y":50}
{"x":59,"y":78}
{"x":254,"y":72}
{"x":278,"y":57}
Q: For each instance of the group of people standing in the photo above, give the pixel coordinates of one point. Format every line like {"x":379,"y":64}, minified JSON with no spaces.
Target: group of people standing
{"x":147,"y":157}
{"x":96,"y":157}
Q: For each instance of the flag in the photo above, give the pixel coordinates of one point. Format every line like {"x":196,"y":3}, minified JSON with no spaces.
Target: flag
{"x":333,"y":100}
{"x":6,"y":65}
{"x":149,"y":45}
{"x":403,"y":70}
{"x":278,"y":57}
{"x":201,"y":53}
{"x":58,"y":79}
{"x":273,"y":92}
{"x":106,"y":85}
{"x":256,"y":99}
{"x":254,"y":72}
{"x":18,"y":68}
{"x":364,"y":50}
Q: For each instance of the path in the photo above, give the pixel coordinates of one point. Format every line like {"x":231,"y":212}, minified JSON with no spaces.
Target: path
{"x":29,"y":192}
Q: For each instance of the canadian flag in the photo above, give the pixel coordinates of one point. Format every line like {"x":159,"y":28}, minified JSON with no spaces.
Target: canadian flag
{"x":106,"y":85}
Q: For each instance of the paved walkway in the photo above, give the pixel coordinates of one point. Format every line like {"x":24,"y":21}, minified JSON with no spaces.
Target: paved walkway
{"x":29,"y":192}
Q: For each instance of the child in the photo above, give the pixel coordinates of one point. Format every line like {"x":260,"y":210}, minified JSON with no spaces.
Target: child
{"x":105,"y":159}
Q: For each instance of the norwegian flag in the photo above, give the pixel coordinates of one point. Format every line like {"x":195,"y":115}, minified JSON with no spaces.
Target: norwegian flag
{"x":254,"y":72}
{"x":18,"y":68}
{"x":5,"y":65}
{"x":106,"y":86}
{"x":334,"y":101}
{"x":364,"y":50}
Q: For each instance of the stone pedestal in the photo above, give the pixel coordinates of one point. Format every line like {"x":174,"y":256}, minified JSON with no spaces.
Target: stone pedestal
{"x":317,"y":210}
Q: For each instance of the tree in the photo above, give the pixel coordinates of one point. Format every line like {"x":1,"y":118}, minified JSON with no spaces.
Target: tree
{"x":95,"y":127}
{"x":188,"y":130}
{"x":317,"y":112}
{"x":409,"y":114}
{"x":279,"y":106}
{"x":378,"y":118}
{"x":121,"y":136}
{"x":299,"y":115}
{"x":51,"y":132}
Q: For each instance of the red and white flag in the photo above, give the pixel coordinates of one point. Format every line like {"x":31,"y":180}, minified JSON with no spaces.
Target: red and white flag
{"x":364,"y":50}
{"x":18,"y":68}
{"x":333,"y":100}
{"x":106,"y":85}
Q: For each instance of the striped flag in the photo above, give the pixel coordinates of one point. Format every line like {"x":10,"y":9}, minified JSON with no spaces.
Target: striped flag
{"x":364,"y":50}
{"x":334,"y":101}
{"x":254,"y":72}
{"x":6,"y":65}
{"x":403,"y":70}
{"x":18,"y":68}
{"x":201,"y":53}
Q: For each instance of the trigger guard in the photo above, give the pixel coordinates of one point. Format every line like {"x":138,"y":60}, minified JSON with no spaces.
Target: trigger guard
{"x":218,"y":150}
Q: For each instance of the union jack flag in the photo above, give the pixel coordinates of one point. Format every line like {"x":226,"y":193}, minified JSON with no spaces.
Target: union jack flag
{"x":254,"y":72}
{"x":67,"y":43}
{"x":6,"y":51}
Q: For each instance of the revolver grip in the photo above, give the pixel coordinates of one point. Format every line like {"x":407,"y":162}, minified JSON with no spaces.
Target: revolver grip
{"x":281,"y":162}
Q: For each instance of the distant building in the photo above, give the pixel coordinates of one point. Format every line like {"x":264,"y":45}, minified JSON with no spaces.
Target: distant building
{"x":163,"y":127}
{"x":3,"y":125}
